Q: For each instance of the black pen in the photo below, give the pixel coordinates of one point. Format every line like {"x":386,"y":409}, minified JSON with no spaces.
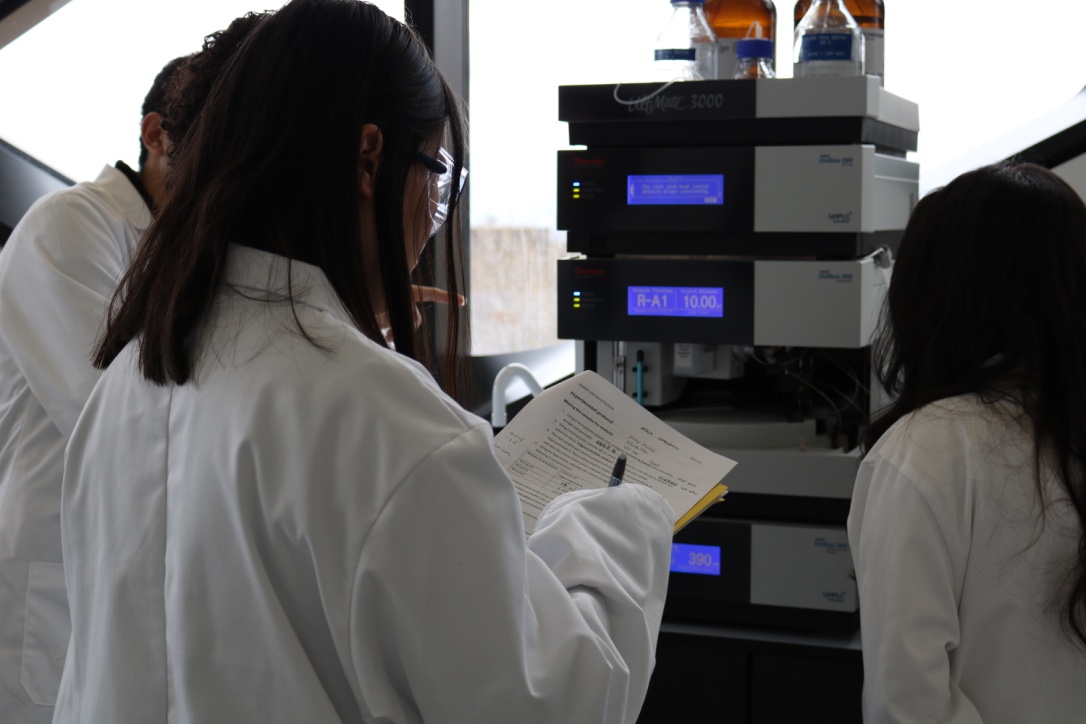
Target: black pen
{"x":620,"y":468}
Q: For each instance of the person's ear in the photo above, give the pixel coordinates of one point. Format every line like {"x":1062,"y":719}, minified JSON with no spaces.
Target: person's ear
{"x":154,"y":137}
{"x":369,"y":158}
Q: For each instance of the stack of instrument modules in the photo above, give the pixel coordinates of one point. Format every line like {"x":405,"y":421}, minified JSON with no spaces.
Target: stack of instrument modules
{"x":731,"y":244}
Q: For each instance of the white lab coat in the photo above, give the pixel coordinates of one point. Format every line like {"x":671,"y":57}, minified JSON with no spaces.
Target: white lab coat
{"x":308,"y":535}
{"x":956,"y":575}
{"x":57,"y":273}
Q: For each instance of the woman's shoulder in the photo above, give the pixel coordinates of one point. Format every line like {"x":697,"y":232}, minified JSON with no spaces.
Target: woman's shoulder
{"x":310,"y":360}
{"x":956,"y":435}
{"x":381,"y":378}
{"x":952,"y":417}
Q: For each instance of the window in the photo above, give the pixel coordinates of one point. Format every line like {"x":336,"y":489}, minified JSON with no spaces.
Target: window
{"x":517,"y":61}
{"x":72,"y":86}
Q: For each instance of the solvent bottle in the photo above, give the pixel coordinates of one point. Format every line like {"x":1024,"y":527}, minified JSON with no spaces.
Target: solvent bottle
{"x":686,"y":47}
{"x":731,"y":21}
{"x":828,"y":41}
{"x":870,"y":16}
{"x":755,"y":59}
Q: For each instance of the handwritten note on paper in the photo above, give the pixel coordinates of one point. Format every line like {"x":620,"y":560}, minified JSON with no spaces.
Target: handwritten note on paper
{"x":569,"y":437}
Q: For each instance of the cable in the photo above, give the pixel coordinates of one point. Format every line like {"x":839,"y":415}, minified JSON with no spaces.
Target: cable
{"x":807,"y":383}
{"x":851,"y":400}
{"x":650,"y":96}
{"x":851,"y":373}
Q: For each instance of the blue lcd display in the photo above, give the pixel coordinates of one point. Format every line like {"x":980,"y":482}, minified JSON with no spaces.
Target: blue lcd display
{"x":675,"y":190}
{"x":687,"y":558}
{"x":675,"y":302}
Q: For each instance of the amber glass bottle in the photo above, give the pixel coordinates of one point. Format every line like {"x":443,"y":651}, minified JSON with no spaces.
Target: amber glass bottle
{"x":733,"y":20}
{"x":868,"y":14}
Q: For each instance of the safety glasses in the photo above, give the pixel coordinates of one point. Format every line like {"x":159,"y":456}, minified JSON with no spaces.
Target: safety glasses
{"x":441,"y":185}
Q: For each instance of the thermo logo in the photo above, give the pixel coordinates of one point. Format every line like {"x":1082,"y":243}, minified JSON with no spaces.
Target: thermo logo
{"x":587,"y":162}
{"x":828,"y":158}
{"x":580,"y":271}
{"x":834,"y":596}
{"x":827,"y":275}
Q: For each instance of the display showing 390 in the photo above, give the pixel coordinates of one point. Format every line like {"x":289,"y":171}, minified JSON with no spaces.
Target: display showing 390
{"x":701,"y":560}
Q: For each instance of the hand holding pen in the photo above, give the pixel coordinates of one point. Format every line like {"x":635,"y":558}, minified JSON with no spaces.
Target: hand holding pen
{"x":620,"y":468}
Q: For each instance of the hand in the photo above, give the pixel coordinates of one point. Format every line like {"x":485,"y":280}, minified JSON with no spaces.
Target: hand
{"x":433,"y":294}
{"x":421,"y":294}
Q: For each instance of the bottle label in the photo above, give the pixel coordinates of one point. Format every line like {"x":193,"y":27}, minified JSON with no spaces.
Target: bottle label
{"x":688,"y":54}
{"x":826,"y":46}
{"x":726,"y":60}
{"x":874,"y":52}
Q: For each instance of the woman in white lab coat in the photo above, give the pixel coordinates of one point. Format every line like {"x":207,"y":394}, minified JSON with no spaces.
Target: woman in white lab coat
{"x":268,"y":514}
{"x":967,"y":517}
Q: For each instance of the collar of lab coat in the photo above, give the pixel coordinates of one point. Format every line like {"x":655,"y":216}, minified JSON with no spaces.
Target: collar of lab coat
{"x":137,"y":181}
{"x":127,"y":197}
{"x":264,"y":275}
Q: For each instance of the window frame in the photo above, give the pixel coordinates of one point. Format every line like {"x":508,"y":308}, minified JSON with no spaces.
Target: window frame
{"x":443,"y":25}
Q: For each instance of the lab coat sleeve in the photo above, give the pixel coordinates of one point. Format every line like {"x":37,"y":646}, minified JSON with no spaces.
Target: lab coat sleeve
{"x":908,"y":580}
{"x":64,"y":263}
{"x":455,"y":619}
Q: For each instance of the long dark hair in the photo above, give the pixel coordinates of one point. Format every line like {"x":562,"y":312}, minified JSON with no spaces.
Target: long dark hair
{"x":271,"y":161}
{"x":189,"y":87}
{"x":989,"y":298}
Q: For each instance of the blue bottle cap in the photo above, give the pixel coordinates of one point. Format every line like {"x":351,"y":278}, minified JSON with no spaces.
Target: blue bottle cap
{"x":754,"y":48}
